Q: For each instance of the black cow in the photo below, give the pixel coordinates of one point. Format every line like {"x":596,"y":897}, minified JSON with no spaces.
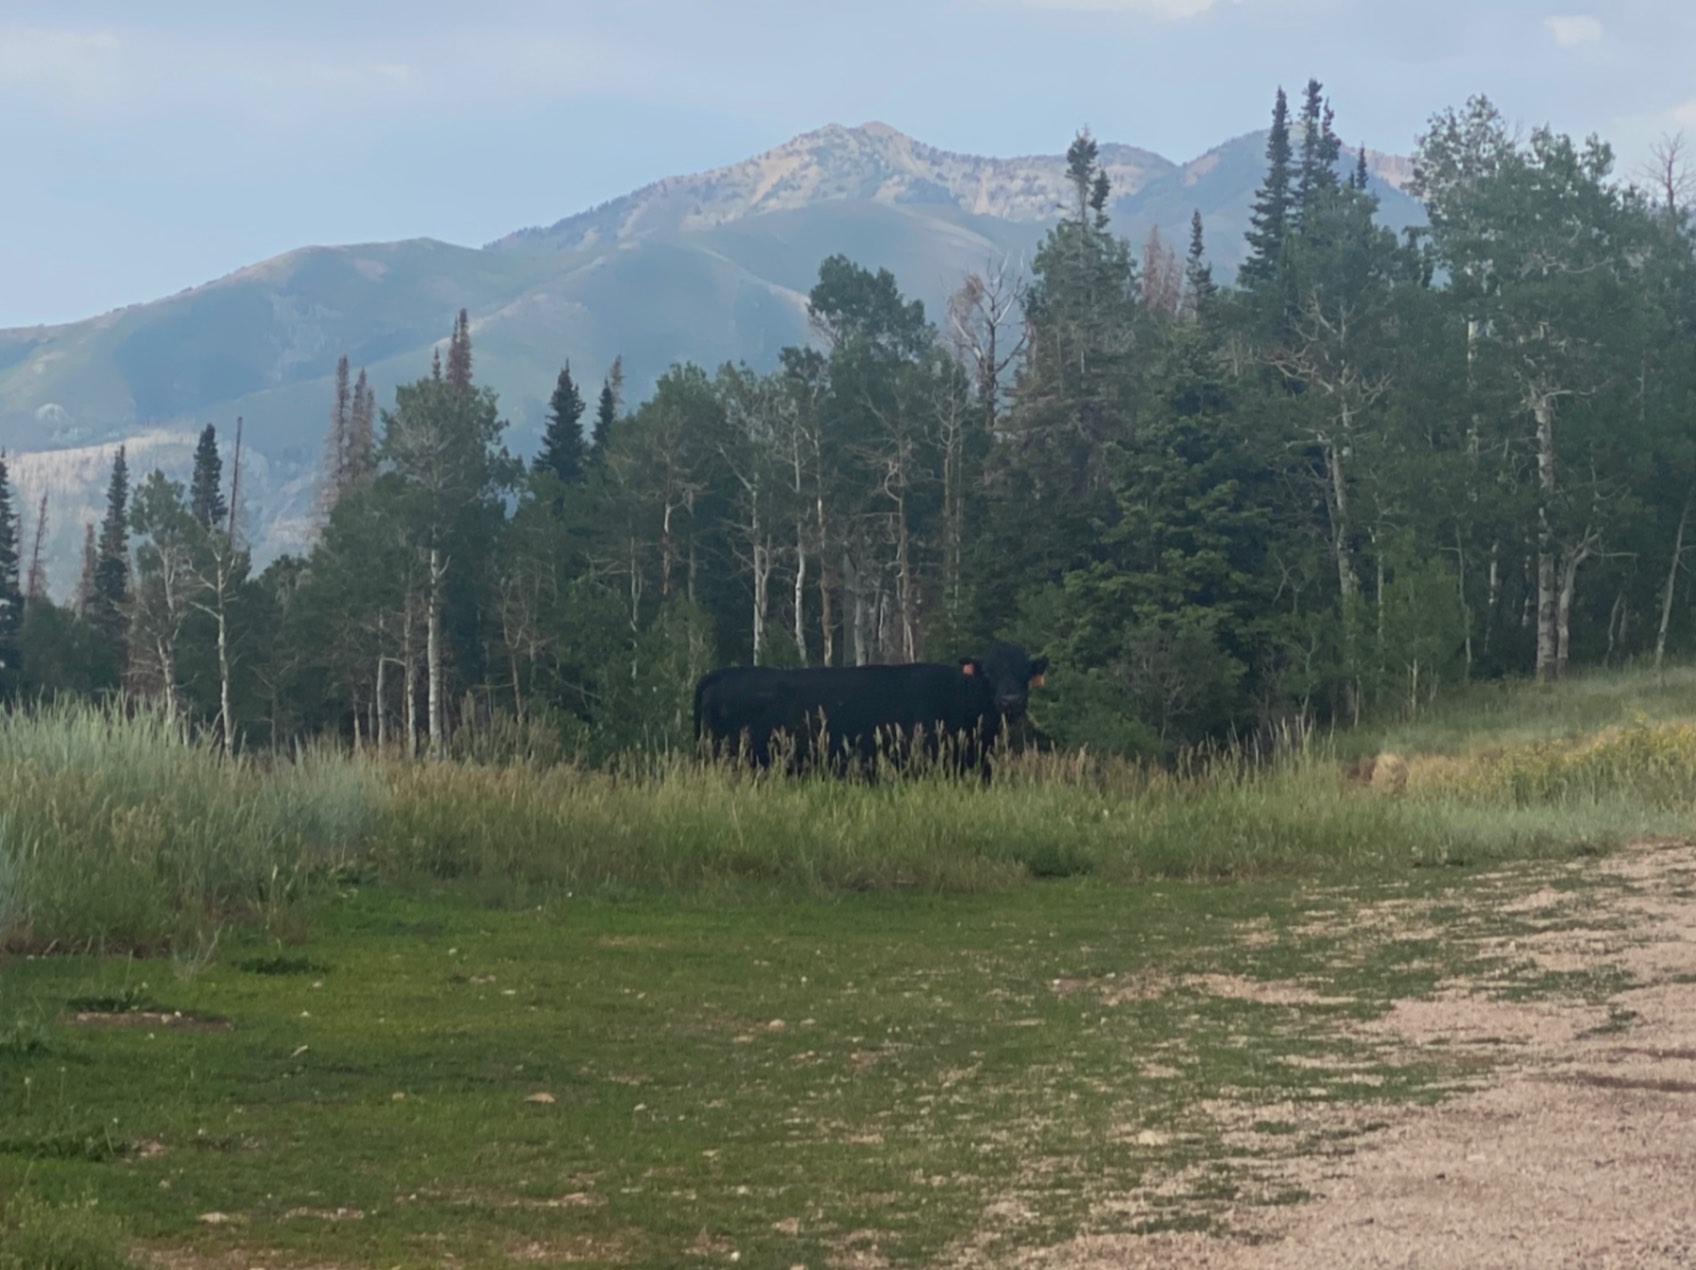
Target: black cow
{"x":856,"y":711}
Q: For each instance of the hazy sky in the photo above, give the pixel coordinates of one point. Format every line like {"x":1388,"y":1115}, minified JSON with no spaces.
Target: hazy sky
{"x":150,"y":147}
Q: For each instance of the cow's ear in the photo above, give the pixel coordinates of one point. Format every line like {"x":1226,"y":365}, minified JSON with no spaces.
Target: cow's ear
{"x":969,"y":666}
{"x":1039,"y":668}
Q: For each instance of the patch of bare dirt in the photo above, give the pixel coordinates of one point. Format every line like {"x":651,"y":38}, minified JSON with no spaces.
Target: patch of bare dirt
{"x":150,"y":1018}
{"x":185,"y":1259}
{"x":858,"y":1250}
{"x":1577,"y":1147}
{"x":558,"y":1252}
{"x":327,"y":1214}
{"x":1260,"y":991}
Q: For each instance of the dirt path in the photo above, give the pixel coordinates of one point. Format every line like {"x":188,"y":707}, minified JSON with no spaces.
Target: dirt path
{"x":1579,"y":1149}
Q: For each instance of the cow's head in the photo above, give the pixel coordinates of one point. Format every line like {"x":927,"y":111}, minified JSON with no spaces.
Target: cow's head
{"x":1009,"y":674}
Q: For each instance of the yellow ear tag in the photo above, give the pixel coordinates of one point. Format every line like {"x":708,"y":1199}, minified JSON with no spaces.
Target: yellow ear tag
{"x":967,"y":668}
{"x":1038,"y":680}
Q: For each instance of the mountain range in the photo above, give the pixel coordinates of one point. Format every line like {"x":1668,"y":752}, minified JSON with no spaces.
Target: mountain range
{"x":708,"y":267}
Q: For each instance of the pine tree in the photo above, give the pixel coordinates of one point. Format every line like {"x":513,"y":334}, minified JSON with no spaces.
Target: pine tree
{"x":1361,"y":174}
{"x":88,"y":580}
{"x":361,"y":455}
{"x":1320,"y":149}
{"x":206,"y":495}
{"x":1099,"y":193}
{"x":562,"y":451}
{"x":1272,"y":207}
{"x":332,"y":480}
{"x":1081,"y":172}
{"x":459,"y":352}
{"x":607,"y":414}
{"x":1312,"y":106}
{"x":1199,"y":286}
{"x":11,"y":591}
{"x":112,"y":565}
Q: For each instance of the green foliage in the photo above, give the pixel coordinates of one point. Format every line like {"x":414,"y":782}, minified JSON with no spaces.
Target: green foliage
{"x":1274,"y":205}
{"x":206,"y":490}
{"x":563,"y":451}
{"x":111,"y":580}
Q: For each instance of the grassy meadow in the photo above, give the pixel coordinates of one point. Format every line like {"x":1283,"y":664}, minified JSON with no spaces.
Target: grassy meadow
{"x":347,"y":1012}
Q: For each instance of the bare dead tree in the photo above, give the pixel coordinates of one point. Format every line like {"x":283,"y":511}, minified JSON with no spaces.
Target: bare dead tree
{"x":1162,"y":276}
{"x":35,"y":583}
{"x":1322,"y":356}
{"x":1670,"y":175}
{"x":985,"y":332}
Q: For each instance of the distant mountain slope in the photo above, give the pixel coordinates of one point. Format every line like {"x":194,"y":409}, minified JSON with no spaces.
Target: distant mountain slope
{"x":871,"y":163}
{"x":710,"y":268}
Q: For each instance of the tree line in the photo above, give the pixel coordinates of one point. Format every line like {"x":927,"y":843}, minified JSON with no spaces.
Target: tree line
{"x":1373,"y":467}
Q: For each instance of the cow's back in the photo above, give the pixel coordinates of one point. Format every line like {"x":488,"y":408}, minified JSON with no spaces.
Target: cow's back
{"x":850,"y":706}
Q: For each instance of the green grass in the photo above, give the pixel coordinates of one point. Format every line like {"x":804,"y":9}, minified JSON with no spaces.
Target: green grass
{"x":306,"y":1008}
{"x":783,"y":1079}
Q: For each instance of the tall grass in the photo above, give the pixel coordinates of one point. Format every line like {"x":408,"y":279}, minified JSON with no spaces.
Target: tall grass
{"x":1502,"y":715}
{"x":119,"y":831}
{"x":517,"y":835}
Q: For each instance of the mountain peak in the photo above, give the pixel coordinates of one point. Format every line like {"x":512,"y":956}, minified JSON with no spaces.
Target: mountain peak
{"x":872,"y":162}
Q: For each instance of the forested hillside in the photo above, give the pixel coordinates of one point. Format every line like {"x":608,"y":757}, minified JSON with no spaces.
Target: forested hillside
{"x":1375,"y":466}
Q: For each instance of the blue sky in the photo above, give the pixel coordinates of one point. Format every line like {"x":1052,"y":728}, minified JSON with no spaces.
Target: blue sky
{"x":151,"y":147}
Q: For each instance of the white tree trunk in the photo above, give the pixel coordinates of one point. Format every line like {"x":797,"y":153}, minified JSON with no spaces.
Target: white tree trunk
{"x":1549,"y":621}
{"x":800,"y":595}
{"x":379,"y":714}
{"x":409,"y":667}
{"x":226,"y":710}
{"x":1570,"y":564}
{"x":827,"y":618}
{"x":1671,"y":586}
{"x":433,"y":655}
{"x":762,"y":592}
{"x":164,"y":648}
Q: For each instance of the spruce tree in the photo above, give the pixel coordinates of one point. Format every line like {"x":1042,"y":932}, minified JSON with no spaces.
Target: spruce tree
{"x":361,"y":457}
{"x":1313,"y":104}
{"x":89,"y":579}
{"x":11,"y":591}
{"x":206,"y":495}
{"x":1081,"y":172}
{"x":1361,"y":173}
{"x":112,"y":562}
{"x":332,"y":481}
{"x":459,"y":352}
{"x":1272,"y":207}
{"x":562,"y":444}
{"x":1099,"y":193}
{"x":1198,"y":274}
{"x":607,"y":414}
